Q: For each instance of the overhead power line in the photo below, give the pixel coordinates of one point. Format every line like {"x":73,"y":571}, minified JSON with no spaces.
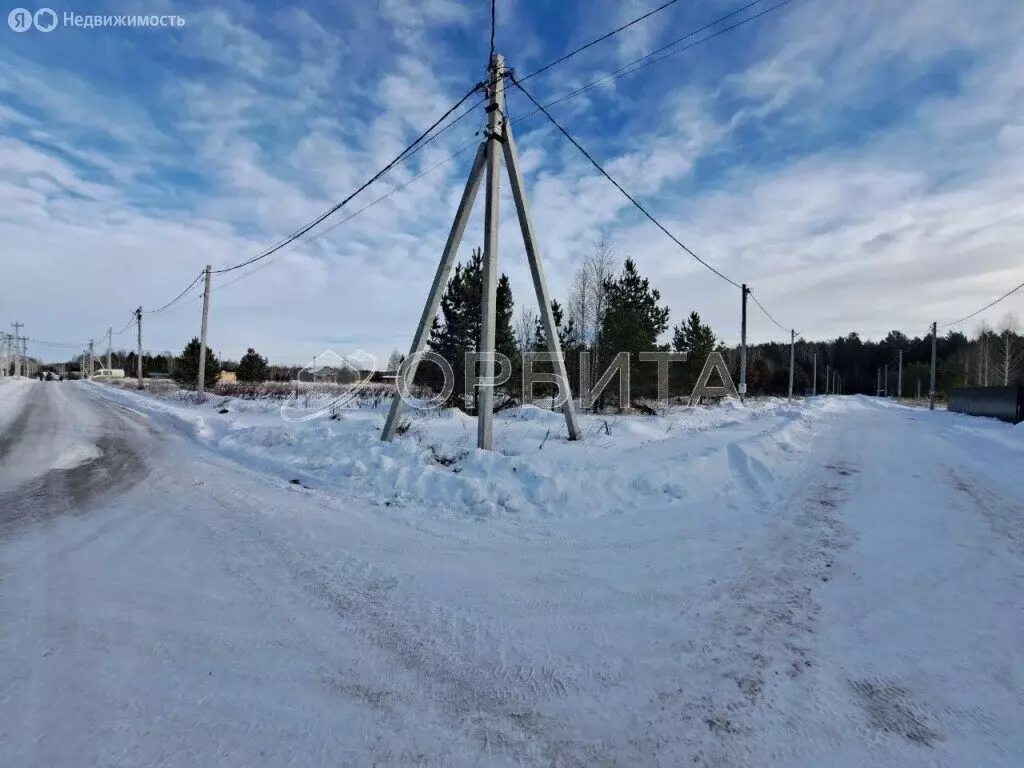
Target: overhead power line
{"x":595,"y":41}
{"x":338,"y":206}
{"x":128,"y":325}
{"x":618,"y":186}
{"x":767,"y":313}
{"x":461,"y":150}
{"x":987,"y":306}
{"x":493,"y":14}
{"x":40,"y":342}
{"x":648,"y":59}
{"x":177,"y":298}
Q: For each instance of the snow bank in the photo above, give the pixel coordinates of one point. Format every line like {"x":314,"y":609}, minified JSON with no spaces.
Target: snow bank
{"x":625,"y":464}
{"x":14,"y":393}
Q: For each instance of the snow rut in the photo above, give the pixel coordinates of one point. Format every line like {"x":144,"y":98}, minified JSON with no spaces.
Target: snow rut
{"x":464,"y":669}
{"x":757,"y":646}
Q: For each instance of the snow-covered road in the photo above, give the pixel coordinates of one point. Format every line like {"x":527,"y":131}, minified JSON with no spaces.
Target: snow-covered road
{"x":838,"y":583}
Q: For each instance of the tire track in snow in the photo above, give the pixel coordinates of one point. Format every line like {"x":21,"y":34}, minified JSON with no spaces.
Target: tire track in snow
{"x":758,"y":637}
{"x":489,"y":689}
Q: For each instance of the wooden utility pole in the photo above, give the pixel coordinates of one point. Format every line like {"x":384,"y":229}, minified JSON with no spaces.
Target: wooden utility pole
{"x":931,"y":389}
{"x":17,"y":350}
{"x":899,"y":379}
{"x":92,"y":359}
{"x":110,"y":350}
{"x":792,"y":360}
{"x":138,"y":361}
{"x":743,"y":342}
{"x":201,"y":383}
{"x":498,"y":142}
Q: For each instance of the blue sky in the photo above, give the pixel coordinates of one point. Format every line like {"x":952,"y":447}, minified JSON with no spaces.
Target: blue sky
{"x":858,"y":164}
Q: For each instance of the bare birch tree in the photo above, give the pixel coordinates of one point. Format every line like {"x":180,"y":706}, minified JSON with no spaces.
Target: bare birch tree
{"x":1007,"y":350}
{"x":524,"y":329}
{"x":982,"y":357}
{"x":587,"y":301}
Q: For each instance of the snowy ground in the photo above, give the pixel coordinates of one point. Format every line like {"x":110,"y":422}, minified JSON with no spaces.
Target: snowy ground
{"x":835,"y":582}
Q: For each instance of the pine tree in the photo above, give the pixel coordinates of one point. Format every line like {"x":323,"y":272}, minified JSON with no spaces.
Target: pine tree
{"x":632,"y":322}
{"x":252,"y":367}
{"x":457,"y":331}
{"x":698,"y":341}
{"x":186,"y":366}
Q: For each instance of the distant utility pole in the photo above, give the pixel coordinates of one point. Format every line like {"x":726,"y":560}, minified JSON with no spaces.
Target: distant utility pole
{"x":878,"y":382}
{"x":92,"y":358}
{"x":201,"y":384}
{"x":931,"y":389}
{"x":110,"y":350}
{"x":814,"y":376}
{"x":826,"y":377}
{"x":17,"y":357}
{"x":899,"y":379}
{"x":792,"y":360}
{"x":919,"y":388}
{"x":743,"y":342}
{"x":138,"y":361}
{"x":885,"y":386}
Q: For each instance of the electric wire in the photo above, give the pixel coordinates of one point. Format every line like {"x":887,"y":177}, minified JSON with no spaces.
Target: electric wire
{"x":177,"y":298}
{"x":351,"y":216}
{"x":408,"y":151}
{"x":767,"y":313}
{"x":987,"y":306}
{"x":56,"y":343}
{"x":129,"y":324}
{"x":616,"y":184}
{"x":491,"y":58}
{"x":597,"y":40}
{"x":642,"y":62}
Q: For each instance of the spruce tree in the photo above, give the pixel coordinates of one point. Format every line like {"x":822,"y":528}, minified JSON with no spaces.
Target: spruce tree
{"x":567,"y":340}
{"x":252,"y":368}
{"x":186,"y":366}
{"x":632,"y":322}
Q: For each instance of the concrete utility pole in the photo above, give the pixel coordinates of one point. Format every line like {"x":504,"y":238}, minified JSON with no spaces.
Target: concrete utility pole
{"x":743,"y":342}
{"x":17,"y":356}
{"x":201,"y":384}
{"x":878,"y":381}
{"x":826,"y":377}
{"x":885,"y":385}
{"x":138,"y":321}
{"x":931,"y":389}
{"x":792,"y":360}
{"x":899,"y":379}
{"x":489,"y":296}
{"x":498,"y":138}
{"x":814,"y":375}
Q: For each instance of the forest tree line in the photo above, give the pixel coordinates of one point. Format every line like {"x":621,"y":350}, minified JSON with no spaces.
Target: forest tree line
{"x":612,"y":308}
